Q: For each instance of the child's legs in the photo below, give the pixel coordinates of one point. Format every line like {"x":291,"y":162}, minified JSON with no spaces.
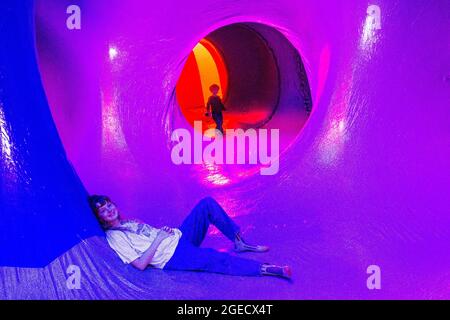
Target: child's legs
{"x":207,"y":211}
{"x":218,"y":119}
{"x":190,"y":258}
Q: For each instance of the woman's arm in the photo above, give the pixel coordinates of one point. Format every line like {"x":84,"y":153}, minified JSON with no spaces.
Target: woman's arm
{"x":142,"y":262}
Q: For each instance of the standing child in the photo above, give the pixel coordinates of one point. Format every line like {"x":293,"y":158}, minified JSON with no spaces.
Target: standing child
{"x":216,"y":106}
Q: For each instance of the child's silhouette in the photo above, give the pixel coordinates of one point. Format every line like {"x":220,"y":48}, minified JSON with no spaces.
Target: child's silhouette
{"x":216,"y":106}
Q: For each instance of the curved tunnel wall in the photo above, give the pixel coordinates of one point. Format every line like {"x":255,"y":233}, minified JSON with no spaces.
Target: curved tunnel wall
{"x":365,"y":182}
{"x":42,"y":209}
{"x":253,"y":73}
{"x":267,"y":76}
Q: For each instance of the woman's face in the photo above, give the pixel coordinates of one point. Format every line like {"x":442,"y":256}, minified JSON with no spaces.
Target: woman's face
{"x":108,"y":212}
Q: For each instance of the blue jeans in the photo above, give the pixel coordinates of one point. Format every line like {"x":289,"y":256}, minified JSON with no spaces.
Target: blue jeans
{"x":190,"y":257}
{"x":218,"y":119}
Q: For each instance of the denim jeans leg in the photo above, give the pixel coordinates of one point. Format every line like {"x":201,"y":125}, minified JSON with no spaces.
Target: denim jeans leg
{"x":218,"y":119}
{"x":187,"y":257}
{"x":207,"y":211}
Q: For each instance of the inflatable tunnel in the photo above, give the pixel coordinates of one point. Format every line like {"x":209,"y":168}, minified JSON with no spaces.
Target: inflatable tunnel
{"x":358,"y":90}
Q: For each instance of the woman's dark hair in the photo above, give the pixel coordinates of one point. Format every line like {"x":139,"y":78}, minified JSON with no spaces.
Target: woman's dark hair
{"x":97,"y":201}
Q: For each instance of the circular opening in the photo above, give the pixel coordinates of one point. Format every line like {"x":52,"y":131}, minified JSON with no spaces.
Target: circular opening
{"x":261,"y":78}
{"x":263,"y":85}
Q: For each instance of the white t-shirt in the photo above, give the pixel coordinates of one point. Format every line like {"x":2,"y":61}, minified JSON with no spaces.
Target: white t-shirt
{"x":133,"y":238}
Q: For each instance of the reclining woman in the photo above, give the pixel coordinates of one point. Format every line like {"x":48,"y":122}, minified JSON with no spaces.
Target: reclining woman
{"x":143,"y":246}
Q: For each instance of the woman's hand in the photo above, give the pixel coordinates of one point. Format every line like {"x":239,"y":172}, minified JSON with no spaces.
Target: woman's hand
{"x":164,"y":233}
{"x":142,"y":262}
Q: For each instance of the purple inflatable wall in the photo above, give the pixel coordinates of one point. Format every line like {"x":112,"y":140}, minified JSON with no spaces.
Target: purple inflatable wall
{"x":364,"y":182}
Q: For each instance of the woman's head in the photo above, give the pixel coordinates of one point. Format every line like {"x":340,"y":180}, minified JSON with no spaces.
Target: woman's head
{"x":104,"y":209}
